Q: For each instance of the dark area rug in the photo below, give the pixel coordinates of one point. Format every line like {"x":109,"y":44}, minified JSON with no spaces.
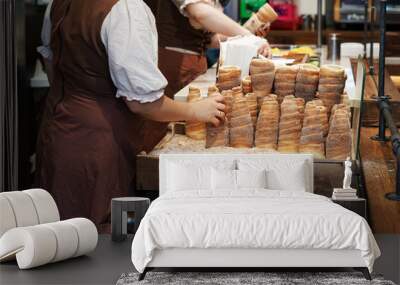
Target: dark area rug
{"x":244,"y":278}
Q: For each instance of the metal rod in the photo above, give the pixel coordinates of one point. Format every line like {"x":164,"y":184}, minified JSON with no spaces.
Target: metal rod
{"x":381,"y":82}
{"x":371,"y":45}
{"x":365,"y":27}
{"x":382,"y":43}
{"x":395,"y":138}
{"x":319,"y":19}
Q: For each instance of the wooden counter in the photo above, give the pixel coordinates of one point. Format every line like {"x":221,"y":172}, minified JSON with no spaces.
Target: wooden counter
{"x":370,"y":107}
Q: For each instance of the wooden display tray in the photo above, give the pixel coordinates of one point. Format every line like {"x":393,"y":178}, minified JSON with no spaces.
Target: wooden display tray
{"x":328,"y":174}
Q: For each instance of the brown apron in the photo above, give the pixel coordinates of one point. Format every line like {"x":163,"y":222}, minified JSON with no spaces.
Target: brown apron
{"x":174,"y":30}
{"x":179,"y":68}
{"x":88,"y":139}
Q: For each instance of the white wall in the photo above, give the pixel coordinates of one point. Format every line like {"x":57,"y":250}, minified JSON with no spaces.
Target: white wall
{"x":308,"y":6}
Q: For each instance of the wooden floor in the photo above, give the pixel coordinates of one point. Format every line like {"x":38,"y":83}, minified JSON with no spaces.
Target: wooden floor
{"x":379,"y":168}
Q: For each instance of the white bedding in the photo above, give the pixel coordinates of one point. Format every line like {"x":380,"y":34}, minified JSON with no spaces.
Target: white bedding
{"x":250,"y":219}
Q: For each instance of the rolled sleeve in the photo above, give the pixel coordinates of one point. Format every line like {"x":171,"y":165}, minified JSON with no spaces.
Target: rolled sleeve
{"x":182,"y":4}
{"x":44,"y":49}
{"x":130,"y":37}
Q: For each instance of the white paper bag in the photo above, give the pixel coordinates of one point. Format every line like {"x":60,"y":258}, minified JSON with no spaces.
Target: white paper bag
{"x":239,"y":51}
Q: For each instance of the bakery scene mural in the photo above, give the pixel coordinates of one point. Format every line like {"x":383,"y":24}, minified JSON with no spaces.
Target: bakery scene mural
{"x":200,"y":142}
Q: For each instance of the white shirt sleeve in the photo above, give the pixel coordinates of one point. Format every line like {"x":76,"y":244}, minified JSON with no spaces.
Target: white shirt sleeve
{"x":45,"y":49}
{"x":129,"y":35}
{"x":182,"y":4}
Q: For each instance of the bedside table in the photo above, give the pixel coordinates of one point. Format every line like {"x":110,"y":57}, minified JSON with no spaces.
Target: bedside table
{"x":357,"y":205}
{"x":119,"y":214}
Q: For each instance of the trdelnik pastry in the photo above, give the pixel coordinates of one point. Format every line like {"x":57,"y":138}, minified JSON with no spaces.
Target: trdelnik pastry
{"x":262,"y":73}
{"x":241,"y":126}
{"x":264,"y":16}
{"x":267,"y":124}
{"x":195,"y":130}
{"x":218,"y":136}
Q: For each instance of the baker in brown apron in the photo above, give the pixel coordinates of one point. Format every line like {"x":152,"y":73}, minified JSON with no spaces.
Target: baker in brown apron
{"x":186,"y":28}
{"x":105,"y":81}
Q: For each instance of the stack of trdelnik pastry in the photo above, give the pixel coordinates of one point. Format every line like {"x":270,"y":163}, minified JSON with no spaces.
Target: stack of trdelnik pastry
{"x":228,"y":77}
{"x":262,"y":73}
{"x":332,"y":80}
{"x":219,"y":135}
{"x":307,"y":81}
{"x":241,"y":132}
{"x":285,"y":81}
{"x":312,"y":135}
{"x":268,"y":123}
{"x":195,"y":130}
{"x":339,"y":142}
{"x":289,"y":126}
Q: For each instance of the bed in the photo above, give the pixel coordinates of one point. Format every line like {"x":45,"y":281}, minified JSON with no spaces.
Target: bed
{"x":246,"y":211}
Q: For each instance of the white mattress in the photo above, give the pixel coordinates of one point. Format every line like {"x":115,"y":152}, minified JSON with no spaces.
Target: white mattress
{"x":251,"y":219}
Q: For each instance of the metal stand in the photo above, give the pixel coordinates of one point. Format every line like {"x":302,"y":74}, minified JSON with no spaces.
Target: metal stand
{"x":365,"y":27}
{"x":381,"y":136}
{"x":395,"y":196}
{"x":371,"y":45}
{"x":381,"y":84}
{"x":396,"y":150}
{"x":319,"y":19}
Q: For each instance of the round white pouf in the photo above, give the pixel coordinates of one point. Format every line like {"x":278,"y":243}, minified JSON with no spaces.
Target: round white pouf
{"x":7,"y":218}
{"x":33,"y":246}
{"x":45,"y":205}
{"x":87,"y":234}
{"x":67,"y":240}
{"x":41,"y":244}
{"x":23,"y":208}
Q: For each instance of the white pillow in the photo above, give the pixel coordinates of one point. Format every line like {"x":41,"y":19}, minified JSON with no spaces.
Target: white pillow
{"x":251,"y":178}
{"x":188,"y":177}
{"x":193,"y":174}
{"x":223,"y":179}
{"x":295,"y":180}
{"x":282,"y":174}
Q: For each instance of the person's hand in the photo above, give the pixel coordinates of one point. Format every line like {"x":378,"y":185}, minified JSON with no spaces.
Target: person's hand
{"x":263,"y":30}
{"x":209,"y":110}
{"x":265,"y":50}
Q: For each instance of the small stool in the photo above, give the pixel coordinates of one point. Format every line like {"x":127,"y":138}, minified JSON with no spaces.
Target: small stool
{"x":119,"y":214}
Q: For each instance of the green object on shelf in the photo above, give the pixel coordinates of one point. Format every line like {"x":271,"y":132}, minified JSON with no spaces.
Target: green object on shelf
{"x":248,"y":7}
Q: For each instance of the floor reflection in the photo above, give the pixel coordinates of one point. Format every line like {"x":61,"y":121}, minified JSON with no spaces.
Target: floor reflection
{"x":389,"y":262}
